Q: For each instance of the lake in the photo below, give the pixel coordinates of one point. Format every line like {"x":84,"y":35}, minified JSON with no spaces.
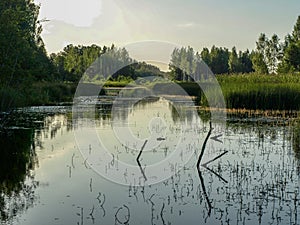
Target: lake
{"x":136,"y":163}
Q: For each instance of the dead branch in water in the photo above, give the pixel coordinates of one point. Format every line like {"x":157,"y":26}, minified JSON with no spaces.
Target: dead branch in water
{"x":204,"y":145}
{"x":210,"y":161}
{"x":198,"y":168}
{"x":138,"y":159}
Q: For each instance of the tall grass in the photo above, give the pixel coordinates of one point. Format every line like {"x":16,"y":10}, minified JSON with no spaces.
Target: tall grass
{"x":241,"y":91}
{"x":252,"y":91}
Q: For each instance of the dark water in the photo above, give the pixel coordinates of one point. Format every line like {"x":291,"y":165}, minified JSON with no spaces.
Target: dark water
{"x":81,"y":168}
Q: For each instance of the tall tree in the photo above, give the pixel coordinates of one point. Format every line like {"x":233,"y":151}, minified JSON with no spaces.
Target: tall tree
{"x":273,"y":53}
{"x":292,"y":55}
{"x":22,"y":52}
{"x":259,"y":59}
{"x":259,"y":64}
{"x":270,"y":51}
{"x":219,"y":60}
{"x":245,"y":62}
{"x":262,"y":44}
{"x":176,"y":72}
{"x":205,"y":55}
{"x":296,"y":31}
{"x":233,"y":62}
{"x":291,"y":51}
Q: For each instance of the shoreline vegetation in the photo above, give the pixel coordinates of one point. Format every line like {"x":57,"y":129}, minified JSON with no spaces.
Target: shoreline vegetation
{"x":265,"y":78}
{"x":241,"y":92}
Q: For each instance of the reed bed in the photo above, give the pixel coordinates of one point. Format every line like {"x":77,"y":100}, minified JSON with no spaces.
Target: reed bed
{"x":264,"y":92}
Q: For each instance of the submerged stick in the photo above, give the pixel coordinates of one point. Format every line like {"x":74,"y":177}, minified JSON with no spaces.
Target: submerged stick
{"x":141,"y":151}
{"x":199,"y":172}
{"x":210,"y":161}
{"x":220,"y":177}
{"x":204,"y":191}
{"x":138,"y":159}
{"x":204,"y":145}
{"x":216,"y":138}
{"x":162,"y":214}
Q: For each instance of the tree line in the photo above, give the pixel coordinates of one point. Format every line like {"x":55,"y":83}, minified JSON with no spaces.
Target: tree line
{"x":24,"y":61}
{"x":271,"y":56}
{"x":93,"y":63}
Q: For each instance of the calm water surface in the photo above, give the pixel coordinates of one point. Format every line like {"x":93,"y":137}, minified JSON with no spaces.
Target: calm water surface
{"x":52,"y":171}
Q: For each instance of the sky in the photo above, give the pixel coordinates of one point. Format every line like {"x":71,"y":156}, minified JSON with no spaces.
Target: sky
{"x":196,"y":23}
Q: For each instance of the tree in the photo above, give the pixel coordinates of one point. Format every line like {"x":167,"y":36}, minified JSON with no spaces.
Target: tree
{"x":245,"y":62}
{"x":205,"y":55}
{"x":258,"y":62}
{"x":292,"y":55}
{"x":288,"y":39}
{"x":273,"y":53}
{"x":22,"y":52}
{"x":296,"y":31}
{"x":219,"y":60}
{"x":91,"y":62}
{"x":270,"y":51}
{"x":291,"y":51}
{"x":233,"y":62}
{"x":182,"y":64}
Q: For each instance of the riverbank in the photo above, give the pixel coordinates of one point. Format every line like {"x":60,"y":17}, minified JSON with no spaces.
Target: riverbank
{"x":36,"y":94}
{"x":241,"y":91}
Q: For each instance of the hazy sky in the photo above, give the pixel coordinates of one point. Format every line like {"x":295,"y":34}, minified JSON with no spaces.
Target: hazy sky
{"x":198,"y":23}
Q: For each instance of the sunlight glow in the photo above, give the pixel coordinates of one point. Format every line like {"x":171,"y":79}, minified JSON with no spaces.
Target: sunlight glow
{"x":80,"y":13}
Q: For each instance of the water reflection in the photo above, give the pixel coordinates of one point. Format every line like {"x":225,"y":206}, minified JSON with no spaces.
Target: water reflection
{"x":17,"y":184}
{"x":296,"y":140}
{"x":47,"y":181}
{"x":19,"y":138}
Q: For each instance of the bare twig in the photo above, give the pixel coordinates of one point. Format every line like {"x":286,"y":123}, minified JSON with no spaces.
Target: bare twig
{"x":138,"y":159}
{"x":199,"y":172}
{"x":210,"y":161}
{"x":162,"y":214}
{"x":216,"y":138}
{"x":204,"y":191}
{"x":204,"y":145}
{"x":220,"y":177}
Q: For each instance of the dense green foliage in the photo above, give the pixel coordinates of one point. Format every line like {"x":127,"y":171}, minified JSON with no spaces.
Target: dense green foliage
{"x":76,"y":61}
{"x":186,"y":64}
{"x":270,"y":57}
{"x":22,"y":50}
{"x":252,"y":91}
{"x":28,"y":76}
{"x":72,"y":62}
{"x":23,"y":58}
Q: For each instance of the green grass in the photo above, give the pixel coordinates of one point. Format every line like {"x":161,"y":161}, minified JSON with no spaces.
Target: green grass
{"x":252,"y":91}
{"x":241,"y":91}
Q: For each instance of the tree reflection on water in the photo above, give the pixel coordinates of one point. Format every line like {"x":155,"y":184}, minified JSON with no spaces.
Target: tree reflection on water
{"x":296,"y":143}
{"x":19,"y":140}
{"x":17,"y":160}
